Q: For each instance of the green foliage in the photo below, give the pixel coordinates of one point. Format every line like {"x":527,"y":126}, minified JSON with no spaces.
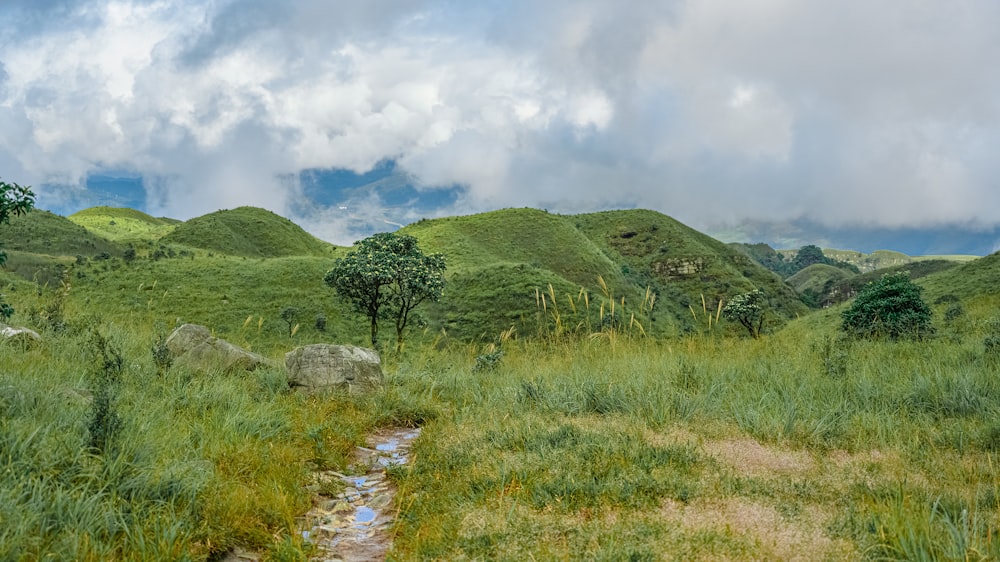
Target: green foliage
{"x":15,"y":200}
{"x":163,"y":358}
{"x":6,"y":310}
{"x":290,"y":315}
{"x":488,"y":361}
{"x":105,"y":423}
{"x":387,"y":275}
{"x":834,"y":354}
{"x":52,"y":314}
{"x":748,"y":309}
{"x":809,"y":255}
{"x":891,"y":307}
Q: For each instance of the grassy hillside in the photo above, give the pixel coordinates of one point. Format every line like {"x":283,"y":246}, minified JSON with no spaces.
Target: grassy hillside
{"x":976,"y":282}
{"x":821,"y":284}
{"x":800,"y":445}
{"x":681,"y":264}
{"x":43,"y":232}
{"x":248,"y":232}
{"x":238,"y":298}
{"x":498,"y":261}
{"x":502,"y":263}
{"x":122,"y":224}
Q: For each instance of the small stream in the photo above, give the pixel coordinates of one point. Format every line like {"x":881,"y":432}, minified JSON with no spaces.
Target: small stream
{"x":353,"y":526}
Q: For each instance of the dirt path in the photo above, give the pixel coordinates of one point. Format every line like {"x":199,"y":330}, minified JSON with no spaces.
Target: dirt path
{"x":353,"y":526}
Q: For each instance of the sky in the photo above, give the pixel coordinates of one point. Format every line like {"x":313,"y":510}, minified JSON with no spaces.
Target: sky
{"x":879,"y":114}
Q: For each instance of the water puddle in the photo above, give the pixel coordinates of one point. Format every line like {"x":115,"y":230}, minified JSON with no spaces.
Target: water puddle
{"x":353,"y":525}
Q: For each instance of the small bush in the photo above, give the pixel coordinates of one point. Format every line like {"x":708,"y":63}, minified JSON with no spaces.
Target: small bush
{"x":488,"y":361}
{"x":105,"y":424}
{"x":890,"y":307}
{"x":162,"y":357}
{"x":833,"y":357}
{"x":953,"y":313}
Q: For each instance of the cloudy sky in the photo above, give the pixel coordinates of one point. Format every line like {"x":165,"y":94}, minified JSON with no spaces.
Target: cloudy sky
{"x":882,"y":113}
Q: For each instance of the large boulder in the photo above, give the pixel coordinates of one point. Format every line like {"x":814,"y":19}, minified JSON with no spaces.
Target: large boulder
{"x":195,"y":347}
{"x":324,"y":367}
{"x":21,"y":336}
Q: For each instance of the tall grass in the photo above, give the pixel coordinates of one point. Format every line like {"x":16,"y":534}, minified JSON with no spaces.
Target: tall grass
{"x":898,"y":447}
{"x":196,"y":463}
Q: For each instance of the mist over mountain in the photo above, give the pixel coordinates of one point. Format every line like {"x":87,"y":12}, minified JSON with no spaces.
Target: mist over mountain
{"x":932,"y":240}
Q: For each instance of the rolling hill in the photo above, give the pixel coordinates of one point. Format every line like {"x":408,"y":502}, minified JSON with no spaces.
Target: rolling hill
{"x":543,"y":273}
{"x":502,"y":263}
{"x":43,"y":232}
{"x":122,"y":224}
{"x":247,"y":232}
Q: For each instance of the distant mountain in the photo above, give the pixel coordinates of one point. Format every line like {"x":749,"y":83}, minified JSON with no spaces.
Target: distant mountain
{"x":944,"y":240}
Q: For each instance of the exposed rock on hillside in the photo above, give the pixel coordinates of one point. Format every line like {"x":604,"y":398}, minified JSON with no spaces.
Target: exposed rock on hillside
{"x":195,"y":347}
{"x":324,"y":367}
{"x":23,"y":336}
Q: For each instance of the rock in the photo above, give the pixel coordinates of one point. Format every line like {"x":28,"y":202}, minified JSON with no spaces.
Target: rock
{"x":195,"y":347}
{"x":324,"y":367}
{"x":24,"y":336}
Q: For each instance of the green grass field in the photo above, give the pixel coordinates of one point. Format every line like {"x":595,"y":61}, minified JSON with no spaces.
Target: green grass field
{"x":567,"y":438}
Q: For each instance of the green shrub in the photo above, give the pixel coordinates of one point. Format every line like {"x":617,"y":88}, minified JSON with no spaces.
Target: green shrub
{"x":890,"y":307}
{"x":105,"y":423}
{"x":488,"y":361}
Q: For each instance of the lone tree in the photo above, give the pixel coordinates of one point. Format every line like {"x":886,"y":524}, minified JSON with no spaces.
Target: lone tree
{"x":290,"y":315}
{"x":890,"y":307}
{"x":14,"y":200}
{"x":388,"y":276}
{"x":748,"y":310}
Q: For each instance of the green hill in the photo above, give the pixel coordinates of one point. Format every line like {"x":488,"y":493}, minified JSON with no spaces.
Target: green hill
{"x":683,"y":265}
{"x":816,"y":276}
{"x":497,"y":261}
{"x":122,"y":224}
{"x":976,"y":280}
{"x":637,"y":271}
{"x":247,"y":232}
{"x":502,"y":263}
{"x":43,"y":232}
{"x":819,"y":284}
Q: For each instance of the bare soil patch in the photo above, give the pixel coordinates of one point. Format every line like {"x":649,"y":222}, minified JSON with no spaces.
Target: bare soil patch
{"x":772,"y":536}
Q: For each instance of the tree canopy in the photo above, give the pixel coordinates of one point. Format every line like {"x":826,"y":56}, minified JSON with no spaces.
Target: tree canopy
{"x":14,"y":200}
{"x":388,"y":276}
{"x":748,"y":310}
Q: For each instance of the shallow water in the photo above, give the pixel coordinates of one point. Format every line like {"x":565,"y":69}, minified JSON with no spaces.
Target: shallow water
{"x":353,"y":525}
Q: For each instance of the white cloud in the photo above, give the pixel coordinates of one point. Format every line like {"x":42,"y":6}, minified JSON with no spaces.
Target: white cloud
{"x":845,"y":111}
